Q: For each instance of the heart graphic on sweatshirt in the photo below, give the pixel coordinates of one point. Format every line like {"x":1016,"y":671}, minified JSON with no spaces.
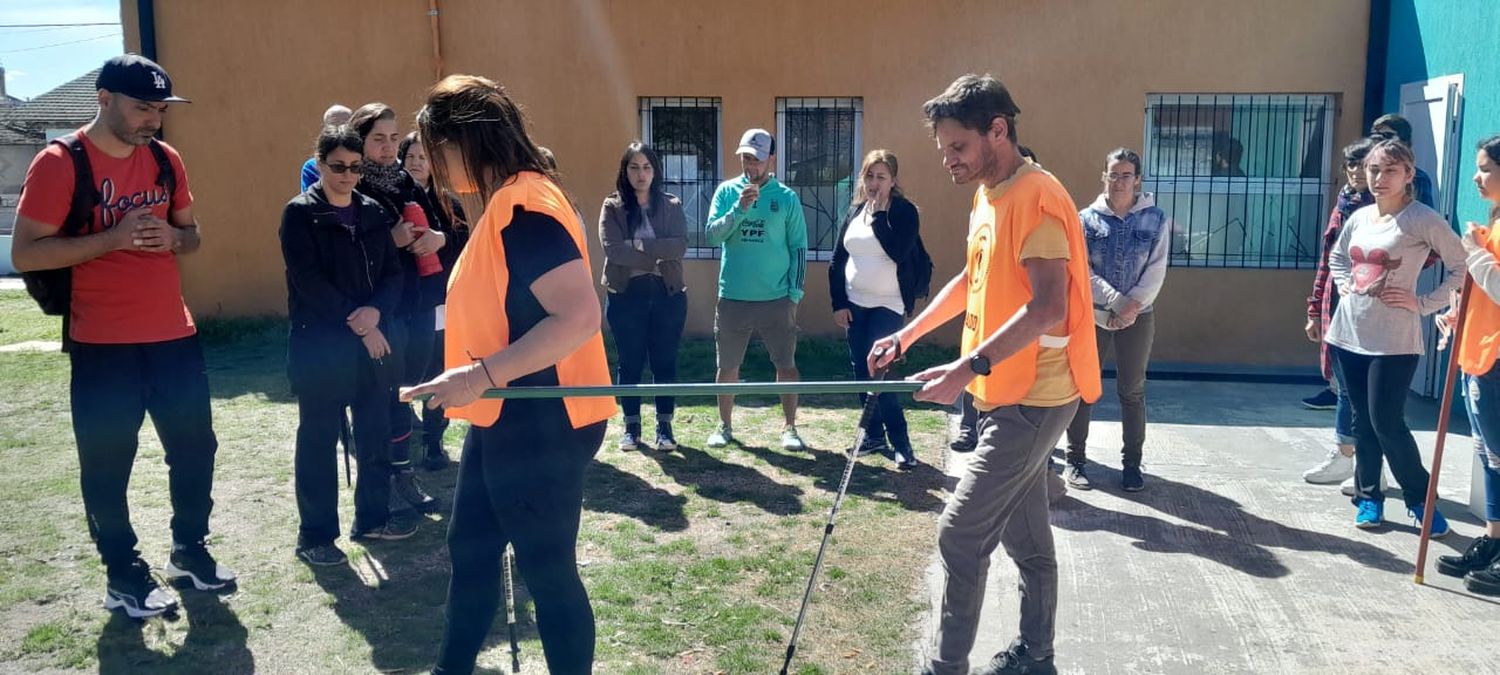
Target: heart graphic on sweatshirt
{"x":1370,"y":269}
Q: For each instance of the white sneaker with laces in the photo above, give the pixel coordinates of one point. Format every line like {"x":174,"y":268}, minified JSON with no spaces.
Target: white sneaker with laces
{"x":1347,"y":487}
{"x":1333,"y":469}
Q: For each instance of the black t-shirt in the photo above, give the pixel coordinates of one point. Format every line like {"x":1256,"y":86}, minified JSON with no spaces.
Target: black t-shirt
{"x":535,"y":244}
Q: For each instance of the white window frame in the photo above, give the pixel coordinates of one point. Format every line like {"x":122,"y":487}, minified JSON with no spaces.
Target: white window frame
{"x":648,"y":105}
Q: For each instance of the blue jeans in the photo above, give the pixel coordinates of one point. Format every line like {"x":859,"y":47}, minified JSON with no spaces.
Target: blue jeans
{"x":647,"y":323}
{"x":866,"y":325}
{"x":1483,"y":403}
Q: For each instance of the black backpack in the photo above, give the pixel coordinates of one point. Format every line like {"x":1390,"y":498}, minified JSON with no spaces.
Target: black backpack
{"x":53,"y":289}
{"x":921,"y":264}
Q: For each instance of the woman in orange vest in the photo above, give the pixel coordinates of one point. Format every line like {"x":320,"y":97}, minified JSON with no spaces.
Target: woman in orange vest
{"x":514,"y":319}
{"x":1478,"y":349}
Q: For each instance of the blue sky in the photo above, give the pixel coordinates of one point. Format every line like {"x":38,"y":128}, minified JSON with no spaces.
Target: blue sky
{"x":38,"y":59}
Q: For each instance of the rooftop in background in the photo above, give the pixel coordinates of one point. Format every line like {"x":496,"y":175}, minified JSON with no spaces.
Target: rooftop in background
{"x":68,"y":106}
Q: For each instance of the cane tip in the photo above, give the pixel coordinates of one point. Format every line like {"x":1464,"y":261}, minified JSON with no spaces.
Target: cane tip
{"x":1419,"y":580}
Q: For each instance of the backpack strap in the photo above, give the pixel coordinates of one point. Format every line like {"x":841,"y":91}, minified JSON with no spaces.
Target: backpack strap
{"x":85,"y":196}
{"x":166,"y":176}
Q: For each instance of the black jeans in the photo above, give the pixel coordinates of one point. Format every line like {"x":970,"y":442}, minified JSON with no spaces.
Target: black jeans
{"x":866,"y":325}
{"x":434,"y":420}
{"x":521,"y":481}
{"x":317,"y":459}
{"x":113,"y":387}
{"x":418,"y":331}
{"x":1378,"y":387}
{"x":647,"y":323}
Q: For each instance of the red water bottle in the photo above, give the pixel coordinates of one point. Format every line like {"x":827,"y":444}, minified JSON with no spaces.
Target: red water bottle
{"x":427,"y":265}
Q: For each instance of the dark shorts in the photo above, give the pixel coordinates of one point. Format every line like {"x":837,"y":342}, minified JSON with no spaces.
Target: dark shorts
{"x":774,"y":320}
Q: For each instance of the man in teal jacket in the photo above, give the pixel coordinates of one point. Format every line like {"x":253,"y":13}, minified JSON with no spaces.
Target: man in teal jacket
{"x":759,"y":223}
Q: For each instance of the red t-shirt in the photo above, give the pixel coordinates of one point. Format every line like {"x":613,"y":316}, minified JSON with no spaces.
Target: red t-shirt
{"x":120,"y":297}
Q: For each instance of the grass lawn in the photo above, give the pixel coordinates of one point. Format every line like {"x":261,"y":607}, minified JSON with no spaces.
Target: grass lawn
{"x":695,"y":560}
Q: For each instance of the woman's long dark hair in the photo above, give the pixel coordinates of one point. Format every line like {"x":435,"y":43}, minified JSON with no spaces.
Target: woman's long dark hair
{"x":475,"y":115}
{"x":1491,"y":146}
{"x":626,"y":192}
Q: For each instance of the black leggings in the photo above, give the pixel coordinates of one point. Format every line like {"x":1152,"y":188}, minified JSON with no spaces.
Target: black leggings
{"x":1378,"y":387}
{"x":521,"y":481}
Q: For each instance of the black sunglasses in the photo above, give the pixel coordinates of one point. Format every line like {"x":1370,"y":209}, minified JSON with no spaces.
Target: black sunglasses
{"x":356,"y":169}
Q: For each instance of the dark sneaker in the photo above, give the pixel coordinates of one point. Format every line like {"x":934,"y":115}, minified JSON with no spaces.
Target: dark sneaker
{"x":395,"y":529}
{"x":405,"y":486}
{"x":1075,"y":476}
{"x":1485,"y":581}
{"x":905,"y":459}
{"x":631,"y":439}
{"x":326,"y":555}
{"x":134,"y":590}
{"x":1480,"y":555}
{"x":1131,"y":479}
{"x":665,"y":441}
{"x":965,"y":441}
{"x":1323,"y":400}
{"x":1016,"y":661}
{"x":434,"y":458}
{"x":192,"y":562}
{"x":873,"y":446}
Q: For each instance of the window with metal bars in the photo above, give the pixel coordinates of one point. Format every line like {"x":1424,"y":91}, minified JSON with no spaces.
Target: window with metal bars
{"x":817,"y":154}
{"x":1245,"y":178}
{"x":686,"y":134}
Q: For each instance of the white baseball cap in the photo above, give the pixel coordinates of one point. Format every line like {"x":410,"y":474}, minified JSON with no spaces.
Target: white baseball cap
{"x":757,"y":142}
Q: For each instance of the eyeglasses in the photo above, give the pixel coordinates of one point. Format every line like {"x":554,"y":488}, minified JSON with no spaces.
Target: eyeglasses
{"x":356,"y":168}
{"x":1117,"y":177}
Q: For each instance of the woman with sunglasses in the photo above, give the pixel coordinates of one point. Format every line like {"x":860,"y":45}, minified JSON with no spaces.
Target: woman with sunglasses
{"x":1128,"y":238}
{"x":343,"y":281}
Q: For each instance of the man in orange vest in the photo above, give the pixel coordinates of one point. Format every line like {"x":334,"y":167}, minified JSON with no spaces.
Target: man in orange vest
{"x":1028,"y":357}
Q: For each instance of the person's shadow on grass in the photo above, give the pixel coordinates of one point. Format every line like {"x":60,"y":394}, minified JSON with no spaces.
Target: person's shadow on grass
{"x":713,"y":478}
{"x":607,"y":489}
{"x":1227,"y":534}
{"x":916,"y":490}
{"x":215,"y":642}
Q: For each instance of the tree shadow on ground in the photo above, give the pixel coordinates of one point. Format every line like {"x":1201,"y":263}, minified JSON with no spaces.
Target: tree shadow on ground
{"x":914,"y":490}
{"x":215,"y":642}
{"x":607,"y":489}
{"x":1233,"y":537}
{"x":713,"y":478}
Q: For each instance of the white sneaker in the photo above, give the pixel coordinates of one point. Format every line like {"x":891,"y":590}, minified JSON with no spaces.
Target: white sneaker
{"x":1347,"y":487}
{"x":1334,"y":468}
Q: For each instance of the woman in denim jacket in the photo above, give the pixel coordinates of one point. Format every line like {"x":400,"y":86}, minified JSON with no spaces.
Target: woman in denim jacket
{"x":1128,"y":239}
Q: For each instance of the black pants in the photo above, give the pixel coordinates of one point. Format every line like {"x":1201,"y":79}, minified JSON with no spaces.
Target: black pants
{"x":647,"y":323}
{"x":317,"y":459}
{"x":113,"y":387}
{"x":418,"y":329}
{"x":1378,"y":387}
{"x":866,"y":326}
{"x":521,"y":481}
{"x":434,"y":421}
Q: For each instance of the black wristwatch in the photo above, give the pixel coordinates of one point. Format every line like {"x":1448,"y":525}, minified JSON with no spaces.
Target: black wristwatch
{"x":979,"y":364}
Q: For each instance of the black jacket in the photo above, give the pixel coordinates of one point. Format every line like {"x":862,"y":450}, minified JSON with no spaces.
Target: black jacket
{"x":458,"y":234}
{"x":329,"y":273}
{"x":898,"y":229}
{"x":418,"y":293}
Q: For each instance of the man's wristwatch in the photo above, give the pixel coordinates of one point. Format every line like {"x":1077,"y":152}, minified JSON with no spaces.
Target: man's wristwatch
{"x":979,"y":364}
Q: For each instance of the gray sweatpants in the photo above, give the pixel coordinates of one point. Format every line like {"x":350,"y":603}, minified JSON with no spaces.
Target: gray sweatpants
{"x":1001,"y":499}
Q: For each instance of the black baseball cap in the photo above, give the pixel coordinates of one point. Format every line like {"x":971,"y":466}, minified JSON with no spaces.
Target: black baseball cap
{"x":137,"y":77}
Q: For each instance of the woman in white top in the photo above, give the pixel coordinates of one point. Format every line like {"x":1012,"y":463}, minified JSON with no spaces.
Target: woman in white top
{"x":1376,"y":331}
{"x":873,"y":284}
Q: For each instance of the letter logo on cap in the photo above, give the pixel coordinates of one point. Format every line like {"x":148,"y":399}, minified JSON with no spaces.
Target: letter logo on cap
{"x":157,"y":79}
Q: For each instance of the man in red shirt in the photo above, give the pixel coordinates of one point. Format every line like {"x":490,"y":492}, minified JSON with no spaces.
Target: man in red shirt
{"x":132,"y":342}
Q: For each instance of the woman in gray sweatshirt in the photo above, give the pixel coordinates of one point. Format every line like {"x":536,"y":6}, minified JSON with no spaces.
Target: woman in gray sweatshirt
{"x":1376,"y":332}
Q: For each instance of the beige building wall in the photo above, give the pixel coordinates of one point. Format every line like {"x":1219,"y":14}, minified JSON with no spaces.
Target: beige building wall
{"x":260,"y":73}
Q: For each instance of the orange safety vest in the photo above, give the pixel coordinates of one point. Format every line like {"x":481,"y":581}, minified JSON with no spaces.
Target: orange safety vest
{"x":1477,"y":347}
{"x":476,"y":321}
{"x":999,"y":286}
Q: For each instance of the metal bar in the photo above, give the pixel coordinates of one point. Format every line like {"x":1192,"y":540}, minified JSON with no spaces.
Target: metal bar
{"x":705,"y":389}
